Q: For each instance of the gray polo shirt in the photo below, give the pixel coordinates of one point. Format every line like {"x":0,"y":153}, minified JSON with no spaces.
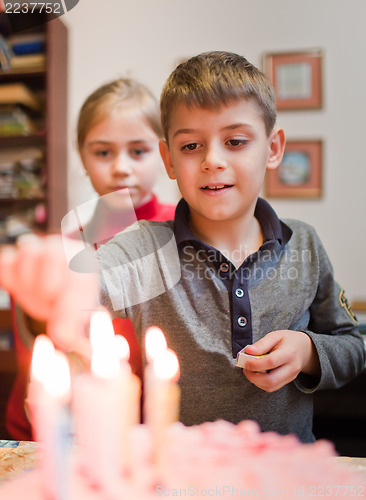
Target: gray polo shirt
{"x":158,"y":273}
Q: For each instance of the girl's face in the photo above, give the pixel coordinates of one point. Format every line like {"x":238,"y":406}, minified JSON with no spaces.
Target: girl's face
{"x":122,"y":151}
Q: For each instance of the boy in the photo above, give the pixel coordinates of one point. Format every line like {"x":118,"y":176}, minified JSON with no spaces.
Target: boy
{"x":245,"y":277}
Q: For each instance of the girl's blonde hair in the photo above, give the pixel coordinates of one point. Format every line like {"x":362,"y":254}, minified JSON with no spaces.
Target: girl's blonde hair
{"x":113,"y":95}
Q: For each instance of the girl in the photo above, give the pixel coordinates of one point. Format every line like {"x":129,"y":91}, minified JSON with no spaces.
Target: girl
{"x":118,"y":134}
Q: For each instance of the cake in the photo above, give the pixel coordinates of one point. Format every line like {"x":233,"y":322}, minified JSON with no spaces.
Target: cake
{"x":211,"y":459}
{"x":92,"y":446}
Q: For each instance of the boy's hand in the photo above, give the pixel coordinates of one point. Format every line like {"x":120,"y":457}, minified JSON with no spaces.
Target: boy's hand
{"x":288,"y":353}
{"x":37,"y":275}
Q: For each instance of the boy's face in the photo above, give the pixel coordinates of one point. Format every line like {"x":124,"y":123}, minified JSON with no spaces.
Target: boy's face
{"x":219,"y":158}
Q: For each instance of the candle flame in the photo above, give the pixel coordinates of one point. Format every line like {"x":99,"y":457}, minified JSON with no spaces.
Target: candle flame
{"x":121,"y":347}
{"x":42,"y":358}
{"x":58,"y":382}
{"x":101,"y":328}
{"x":105,"y":363}
{"x":155,"y":342}
{"x":166,"y":365}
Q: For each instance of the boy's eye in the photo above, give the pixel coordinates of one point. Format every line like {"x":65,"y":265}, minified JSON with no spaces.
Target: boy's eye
{"x":237,"y":142}
{"x":190,"y":147}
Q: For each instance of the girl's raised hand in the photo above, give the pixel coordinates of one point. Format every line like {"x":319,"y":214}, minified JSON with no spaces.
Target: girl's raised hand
{"x":36,"y":273}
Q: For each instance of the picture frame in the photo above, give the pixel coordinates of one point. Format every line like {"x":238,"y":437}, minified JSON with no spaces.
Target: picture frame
{"x":300,"y":173}
{"x":296,"y":78}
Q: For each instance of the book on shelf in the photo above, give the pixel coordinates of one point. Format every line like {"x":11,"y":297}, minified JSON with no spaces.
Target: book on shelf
{"x":21,"y":174}
{"x":5,"y":54}
{"x":15,"y":121}
{"x":24,"y":156}
{"x":22,"y":51}
{"x":28,"y":61}
{"x":27,"y":43}
{"x":18,"y":93}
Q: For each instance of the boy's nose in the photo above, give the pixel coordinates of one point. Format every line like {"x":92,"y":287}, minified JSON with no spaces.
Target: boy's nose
{"x":213,"y":159}
{"x":121,"y":165}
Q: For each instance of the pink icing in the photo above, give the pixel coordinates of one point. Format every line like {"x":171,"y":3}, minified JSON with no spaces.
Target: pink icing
{"x":215,"y":459}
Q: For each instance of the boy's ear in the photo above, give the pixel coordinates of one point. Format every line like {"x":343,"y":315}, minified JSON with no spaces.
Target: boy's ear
{"x":277,"y":148}
{"x":167,"y":159}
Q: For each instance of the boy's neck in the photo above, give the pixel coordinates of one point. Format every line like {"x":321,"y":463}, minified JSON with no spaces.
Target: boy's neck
{"x":236,"y":240}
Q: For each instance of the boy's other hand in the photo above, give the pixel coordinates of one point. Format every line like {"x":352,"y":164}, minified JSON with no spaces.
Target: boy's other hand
{"x":37,"y":275}
{"x":288,"y":353}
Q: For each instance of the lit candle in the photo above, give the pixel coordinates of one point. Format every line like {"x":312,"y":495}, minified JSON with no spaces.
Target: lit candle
{"x":167,"y":394}
{"x":96,"y":407}
{"x":129,"y":393}
{"x":102,"y":411}
{"x":163,"y":398}
{"x":48,"y":397}
{"x":155,"y":343}
{"x":101,"y":329}
{"x":131,"y":383}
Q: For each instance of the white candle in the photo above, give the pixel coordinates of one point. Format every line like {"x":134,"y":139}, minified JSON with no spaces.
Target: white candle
{"x":155,"y":343}
{"x":101,"y":403}
{"x":162,"y":400}
{"x":167,"y":393}
{"x":130,"y":382}
{"x":130,"y":394}
{"x":96,"y":407}
{"x":48,"y":396}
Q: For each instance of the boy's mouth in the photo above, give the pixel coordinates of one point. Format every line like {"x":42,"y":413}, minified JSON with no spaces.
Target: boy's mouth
{"x":217,"y":187}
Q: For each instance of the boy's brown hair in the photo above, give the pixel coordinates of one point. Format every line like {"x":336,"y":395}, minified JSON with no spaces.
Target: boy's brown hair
{"x":214,"y":79}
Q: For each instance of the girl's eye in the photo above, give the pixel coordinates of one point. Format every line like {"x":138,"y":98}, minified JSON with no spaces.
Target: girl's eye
{"x":138,"y":152}
{"x":190,"y":147}
{"x":103,"y":153}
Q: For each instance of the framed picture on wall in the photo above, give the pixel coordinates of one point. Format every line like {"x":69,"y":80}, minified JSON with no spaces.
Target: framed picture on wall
{"x":300,"y":173}
{"x":297,"y":79}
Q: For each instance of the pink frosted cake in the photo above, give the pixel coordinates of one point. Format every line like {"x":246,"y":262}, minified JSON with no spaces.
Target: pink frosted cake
{"x":115,"y":458}
{"x":213,"y":459}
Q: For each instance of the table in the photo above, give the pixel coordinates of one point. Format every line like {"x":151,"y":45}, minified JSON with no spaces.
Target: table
{"x":16,"y":457}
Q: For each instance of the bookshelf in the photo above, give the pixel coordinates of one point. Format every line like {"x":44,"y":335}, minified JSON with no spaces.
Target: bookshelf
{"x":44,"y":203}
{"x":40,"y":154}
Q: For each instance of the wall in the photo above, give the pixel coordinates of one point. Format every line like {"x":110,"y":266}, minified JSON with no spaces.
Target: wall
{"x":145,"y":39}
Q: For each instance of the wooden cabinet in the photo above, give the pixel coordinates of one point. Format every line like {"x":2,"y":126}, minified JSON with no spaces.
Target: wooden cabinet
{"x":8,"y":368}
{"x":48,"y":83}
{"x":340,"y":416}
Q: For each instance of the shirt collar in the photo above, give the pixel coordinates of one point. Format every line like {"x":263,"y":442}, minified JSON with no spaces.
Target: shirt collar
{"x":273,"y":228}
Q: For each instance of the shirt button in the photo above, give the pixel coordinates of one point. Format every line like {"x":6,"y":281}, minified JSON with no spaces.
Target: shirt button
{"x":239,"y":292}
{"x":224,"y":267}
{"x":242,"y":321}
